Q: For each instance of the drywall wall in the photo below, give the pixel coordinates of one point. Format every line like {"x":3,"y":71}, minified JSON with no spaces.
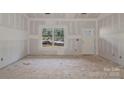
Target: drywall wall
{"x":111,"y":37}
{"x":74,"y":29}
{"x":13,"y":37}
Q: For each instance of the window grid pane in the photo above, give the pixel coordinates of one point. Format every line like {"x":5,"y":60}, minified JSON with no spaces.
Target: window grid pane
{"x":58,"y":37}
{"x":47,"y":37}
{"x":53,"y":37}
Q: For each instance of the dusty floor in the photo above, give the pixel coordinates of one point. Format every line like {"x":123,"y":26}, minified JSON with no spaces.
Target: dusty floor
{"x":69,"y":67}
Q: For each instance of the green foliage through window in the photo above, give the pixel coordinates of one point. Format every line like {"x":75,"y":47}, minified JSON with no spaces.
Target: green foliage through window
{"x":52,"y":37}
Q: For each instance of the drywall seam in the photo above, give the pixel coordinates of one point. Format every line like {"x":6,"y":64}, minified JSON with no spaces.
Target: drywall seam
{"x":97,"y":38}
{"x":28,"y":41}
{"x":103,"y":16}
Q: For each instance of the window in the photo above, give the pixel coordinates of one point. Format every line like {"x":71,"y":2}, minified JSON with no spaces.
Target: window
{"x":53,"y":37}
{"x":58,"y":37}
{"x":47,"y":37}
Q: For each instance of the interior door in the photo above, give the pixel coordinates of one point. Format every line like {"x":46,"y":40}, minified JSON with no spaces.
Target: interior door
{"x":88,"y":41}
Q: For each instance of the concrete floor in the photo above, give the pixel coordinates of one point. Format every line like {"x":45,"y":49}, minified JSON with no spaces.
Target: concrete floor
{"x":58,"y":67}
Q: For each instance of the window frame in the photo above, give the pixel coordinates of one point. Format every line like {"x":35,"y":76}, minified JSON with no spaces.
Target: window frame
{"x":52,"y":27}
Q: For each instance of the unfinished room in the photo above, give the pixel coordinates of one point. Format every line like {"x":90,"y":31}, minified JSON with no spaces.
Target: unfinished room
{"x":61,"y":45}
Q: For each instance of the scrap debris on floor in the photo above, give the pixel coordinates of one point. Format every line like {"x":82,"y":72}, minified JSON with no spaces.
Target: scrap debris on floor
{"x":67,"y":67}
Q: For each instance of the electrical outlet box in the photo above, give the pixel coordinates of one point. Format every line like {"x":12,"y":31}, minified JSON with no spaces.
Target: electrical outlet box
{"x":1,"y":59}
{"x":120,"y":57}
